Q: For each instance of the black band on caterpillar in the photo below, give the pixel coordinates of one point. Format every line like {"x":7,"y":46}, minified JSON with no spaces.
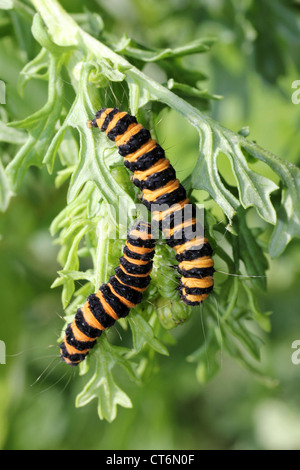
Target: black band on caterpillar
{"x":114,"y":299}
{"x":156,"y":178}
{"x":133,"y":268}
{"x":134,"y":142}
{"x":146,"y":160}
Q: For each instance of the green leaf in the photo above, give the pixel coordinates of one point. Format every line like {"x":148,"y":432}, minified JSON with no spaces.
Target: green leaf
{"x":187,"y":90}
{"x":11,"y":136}
{"x":251,"y":342}
{"x":251,"y":253}
{"x":5,"y":191}
{"x":41,"y":127}
{"x":94,"y":150}
{"x":239,"y":356}
{"x":132,"y":49}
{"x":142,"y":334}
{"x":95,"y":21}
{"x":254,"y":189}
{"x":288,"y":225}
{"x":207,"y":358}
{"x":44,"y":38}
{"x":172,"y":313}
{"x":102,"y":385}
{"x":261,"y":318}
{"x":6,"y":4}
{"x":138,"y":95}
{"x":206,"y":175}
{"x":32,"y":70}
{"x":288,"y":216}
{"x":71,"y":264}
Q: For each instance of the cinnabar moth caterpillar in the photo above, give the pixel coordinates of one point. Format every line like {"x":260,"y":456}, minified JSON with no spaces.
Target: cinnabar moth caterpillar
{"x":113,"y":300}
{"x":156,"y":178}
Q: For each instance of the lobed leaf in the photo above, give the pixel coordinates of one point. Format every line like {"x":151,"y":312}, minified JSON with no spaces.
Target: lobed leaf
{"x":102,"y":385}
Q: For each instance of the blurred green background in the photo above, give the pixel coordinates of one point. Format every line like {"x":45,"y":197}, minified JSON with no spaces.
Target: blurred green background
{"x":253,"y":65}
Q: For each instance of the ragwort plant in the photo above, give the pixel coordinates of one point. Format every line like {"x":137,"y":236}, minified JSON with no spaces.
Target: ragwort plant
{"x":104,"y":72}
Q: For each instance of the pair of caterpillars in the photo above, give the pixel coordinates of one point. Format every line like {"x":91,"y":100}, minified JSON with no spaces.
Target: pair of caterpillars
{"x":164,"y":195}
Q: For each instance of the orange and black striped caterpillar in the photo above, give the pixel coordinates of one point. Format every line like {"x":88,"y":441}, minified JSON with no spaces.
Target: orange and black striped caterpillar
{"x":113,"y":300}
{"x":164,"y":195}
